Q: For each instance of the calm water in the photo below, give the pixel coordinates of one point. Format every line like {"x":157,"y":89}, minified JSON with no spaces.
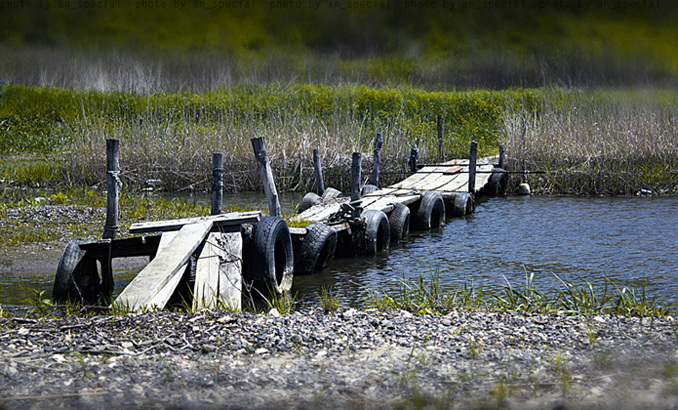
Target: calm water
{"x":628,"y":239}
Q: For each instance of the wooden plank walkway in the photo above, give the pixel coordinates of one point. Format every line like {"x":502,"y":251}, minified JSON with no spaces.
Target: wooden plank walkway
{"x":447,"y":178}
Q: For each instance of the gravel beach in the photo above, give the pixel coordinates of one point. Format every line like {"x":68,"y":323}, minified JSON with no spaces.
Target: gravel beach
{"x":348,"y":359}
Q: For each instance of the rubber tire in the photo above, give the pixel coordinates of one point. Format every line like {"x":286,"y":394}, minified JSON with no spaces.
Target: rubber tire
{"x":271,"y":257}
{"x":430,"y":213}
{"x":368,"y":189}
{"x":77,"y":278}
{"x":399,"y":222}
{"x":309,"y":200}
{"x":331,"y":193}
{"x":316,"y":250}
{"x":377,"y":232}
{"x":498,"y":183}
{"x":462,"y":204}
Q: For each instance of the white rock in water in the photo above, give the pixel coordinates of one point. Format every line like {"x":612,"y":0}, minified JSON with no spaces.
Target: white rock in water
{"x":524,"y":189}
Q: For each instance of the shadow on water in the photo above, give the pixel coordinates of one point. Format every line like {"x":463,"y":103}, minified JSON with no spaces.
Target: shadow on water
{"x":629,"y":240}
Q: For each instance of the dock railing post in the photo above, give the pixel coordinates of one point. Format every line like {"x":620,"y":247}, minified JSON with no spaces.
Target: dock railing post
{"x":113,"y":185}
{"x":414,"y":155}
{"x":217,"y":182}
{"x":317,"y":167}
{"x":266,"y":175}
{"x":501,"y":157}
{"x":472,"y":168}
{"x":356,"y":165}
{"x":439,"y":127}
{"x":378,"y":142}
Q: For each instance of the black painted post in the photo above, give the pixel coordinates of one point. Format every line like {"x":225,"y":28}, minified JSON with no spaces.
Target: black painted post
{"x":217,"y":182}
{"x":378,"y":142}
{"x":317,"y":167}
{"x":356,"y":165}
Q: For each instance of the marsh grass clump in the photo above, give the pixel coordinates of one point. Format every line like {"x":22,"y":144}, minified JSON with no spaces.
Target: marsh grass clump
{"x":598,"y":142}
{"x":427,"y":296}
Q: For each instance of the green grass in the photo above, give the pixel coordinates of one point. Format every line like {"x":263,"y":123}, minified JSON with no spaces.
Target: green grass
{"x":427,"y":296}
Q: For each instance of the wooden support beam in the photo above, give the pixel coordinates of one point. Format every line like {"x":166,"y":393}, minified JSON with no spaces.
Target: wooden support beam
{"x":378,"y":142}
{"x":356,"y":166}
{"x":223,"y":220}
{"x":218,"y":275}
{"x":217,"y":182}
{"x":318,"y":169}
{"x":266,"y":175}
{"x":472,"y":168}
{"x":170,"y":261}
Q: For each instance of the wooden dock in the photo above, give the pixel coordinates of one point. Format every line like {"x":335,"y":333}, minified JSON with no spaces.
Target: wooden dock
{"x":214,"y":260}
{"x":449,"y":179}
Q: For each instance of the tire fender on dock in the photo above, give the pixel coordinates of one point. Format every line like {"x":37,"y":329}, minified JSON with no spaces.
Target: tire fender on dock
{"x":377,"y":232}
{"x":309,"y":200}
{"x":331,"y":193}
{"x":271,"y":257}
{"x":369,"y":188}
{"x":77,"y":278}
{"x":399,"y":222}
{"x":462,"y":204}
{"x":430,"y":213}
{"x":498,"y":183}
{"x":316,"y":250}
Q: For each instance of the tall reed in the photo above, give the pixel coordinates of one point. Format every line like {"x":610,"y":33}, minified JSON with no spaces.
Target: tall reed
{"x":598,"y":142}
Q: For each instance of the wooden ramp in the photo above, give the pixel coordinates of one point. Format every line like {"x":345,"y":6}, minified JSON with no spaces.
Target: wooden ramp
{"x":217,"y":242}
{"x":448,"y":179}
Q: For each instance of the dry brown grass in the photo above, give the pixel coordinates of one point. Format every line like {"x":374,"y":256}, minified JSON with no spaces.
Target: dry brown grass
{"x":598,"y":143}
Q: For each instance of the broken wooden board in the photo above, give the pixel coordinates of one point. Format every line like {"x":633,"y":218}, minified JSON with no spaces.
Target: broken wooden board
{"x":233,"y":218}
{"x":160,"y":300}
{"x":167,"y":263}
{"x":454,"y":170}
{"x":218,"y":274}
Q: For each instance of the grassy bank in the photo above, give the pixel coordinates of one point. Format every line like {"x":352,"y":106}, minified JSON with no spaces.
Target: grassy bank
{"x":590,"y":141}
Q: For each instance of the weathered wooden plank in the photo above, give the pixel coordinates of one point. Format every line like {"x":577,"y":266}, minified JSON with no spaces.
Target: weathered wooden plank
{"x":441,"y":182}
{"x":385,"y":204}
{"x":167,"y":263}
{"x":233,"y":218}
{"x":381,"y":192}
{"x":160,"y":300}
{"x":230,"y":281}
{"x":218,"y":275}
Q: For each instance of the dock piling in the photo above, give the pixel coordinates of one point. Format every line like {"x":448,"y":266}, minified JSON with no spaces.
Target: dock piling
{"x":472,"y":168}
{"x":414,"y":155}
{"x":317,"y":167}
{"x":218,"y":182}
{"x":266,"y":175}
{"x":113,"y":184}
{"x":356,"y":166}
{"x":378,"y":142}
